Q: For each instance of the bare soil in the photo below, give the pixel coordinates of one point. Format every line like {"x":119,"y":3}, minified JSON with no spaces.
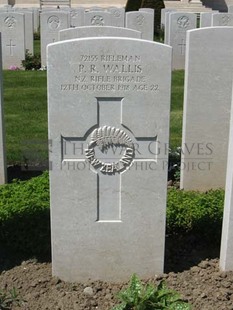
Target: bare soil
{"x":191,"y":266}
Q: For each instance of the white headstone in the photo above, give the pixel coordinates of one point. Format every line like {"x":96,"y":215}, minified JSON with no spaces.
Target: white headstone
{"x":117,"y":17}
{"x":13,"y":39}
{"x":163,"y":11}
{"x":108,"y":101}
{"x":29,"y":29}
{"x":97,"y":19}
{"x":77,"y":17}
{"x":222,"y":19}
{"x":36,"y":19}
{"x":207,"y":100}
{"x":148,"y":10}
{"x":166,"y":27}
{"x":96,"y":31}
{"x":179,"y":23}
{"x":230,"y":8}
{"x":3,"y":168}
{"x":51,"y":23}
{"x":205,"y":19}
{"x":226,"y":253}
{"x":143,"y":22}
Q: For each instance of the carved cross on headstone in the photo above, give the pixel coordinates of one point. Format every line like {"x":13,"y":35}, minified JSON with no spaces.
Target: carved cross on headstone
{"x":110,"y":149}
{"x":11,"y":46}
{"x":182,"y":46}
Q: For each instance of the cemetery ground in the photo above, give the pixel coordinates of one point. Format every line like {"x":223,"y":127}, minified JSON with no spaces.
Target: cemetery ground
{"x":193,"y":219}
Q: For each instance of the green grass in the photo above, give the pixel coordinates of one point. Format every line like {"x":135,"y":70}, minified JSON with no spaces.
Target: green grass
{"x":25,"y":105}
{"x":36,"y":46}
{"x":176,"y":108}
{"x":26,"y":115}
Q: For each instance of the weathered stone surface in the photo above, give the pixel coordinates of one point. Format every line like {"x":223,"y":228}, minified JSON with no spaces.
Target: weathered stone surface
{"x":108,"y":102}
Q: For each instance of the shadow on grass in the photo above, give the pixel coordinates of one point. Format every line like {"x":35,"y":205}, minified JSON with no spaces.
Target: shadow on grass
{"x":184,"y":252}
{"x":23,"y":237}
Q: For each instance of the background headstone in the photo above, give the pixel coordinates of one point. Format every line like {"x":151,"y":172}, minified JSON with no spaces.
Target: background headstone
{"x":96,"y":18}
{"x":96,"y":31}
{"x":51,"y":23}
{"x":108,"y":210}
{"x":143,"y":22}
{"x":29,"y":29}
{"x":207,"y":100}
{"x":205,"y":19}
{"x":179,"y":23}
{"x":163,"y":12}
{"x":117,"y":17}
{"x":226,"y":253}
{"x":222,"y":19}
{"x":13,"y":39}
{"x":3,"y":167}
{"x":77,"y":17}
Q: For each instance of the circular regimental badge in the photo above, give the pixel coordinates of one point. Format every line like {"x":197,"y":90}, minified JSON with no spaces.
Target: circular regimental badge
{"x":104,"y":138}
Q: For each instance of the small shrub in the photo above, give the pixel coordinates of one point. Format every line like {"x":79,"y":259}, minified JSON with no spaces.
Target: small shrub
{"x":199,"y":213}
{"x":25,"y":217}
{"x":8,"y":299}
{"x":139,"y":296}
{"x":31,"y":62}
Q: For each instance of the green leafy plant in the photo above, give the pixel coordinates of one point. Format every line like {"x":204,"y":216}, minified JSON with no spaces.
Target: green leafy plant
{"x":25,"y":218}
{"x":9,"y":298}
{"x":139,"y":296}
{"x":31,"y":62}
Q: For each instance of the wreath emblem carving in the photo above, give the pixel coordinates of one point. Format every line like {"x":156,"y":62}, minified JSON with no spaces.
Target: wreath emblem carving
{"x":104,"y":138}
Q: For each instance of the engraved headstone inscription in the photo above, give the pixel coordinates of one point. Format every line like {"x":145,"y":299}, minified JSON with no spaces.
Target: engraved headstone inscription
{"x":13,"y":39}
{"x":108,"y":102}
{"x":96,"y":31}
{"x":207,"y":102}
